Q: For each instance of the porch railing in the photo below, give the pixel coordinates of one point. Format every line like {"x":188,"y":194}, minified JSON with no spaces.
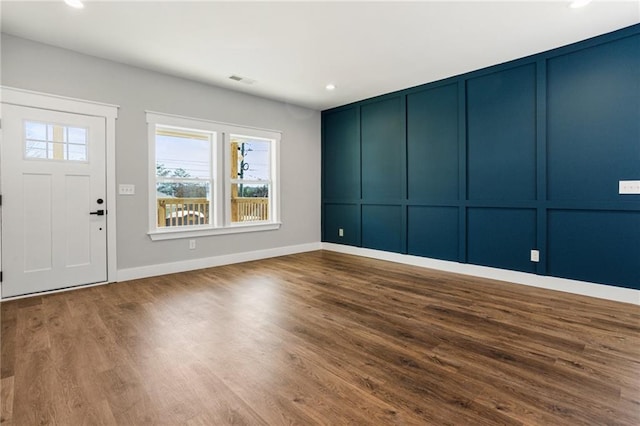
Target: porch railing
{"x":183,"y":211}
{"x":249,"y":209}
{"x":195,"y":211}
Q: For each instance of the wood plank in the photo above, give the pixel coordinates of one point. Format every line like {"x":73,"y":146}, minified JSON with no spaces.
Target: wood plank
{"x":319,"y":338}
{"x":6,"y":400}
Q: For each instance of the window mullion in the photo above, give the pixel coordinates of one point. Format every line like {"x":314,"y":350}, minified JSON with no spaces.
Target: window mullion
{"x":225,"y":193}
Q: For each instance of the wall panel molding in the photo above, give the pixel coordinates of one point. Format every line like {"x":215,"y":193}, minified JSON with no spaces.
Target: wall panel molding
{"x":505,"y":148}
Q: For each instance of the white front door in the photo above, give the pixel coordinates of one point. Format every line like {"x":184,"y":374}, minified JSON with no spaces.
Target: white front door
{"x":53,"y":200}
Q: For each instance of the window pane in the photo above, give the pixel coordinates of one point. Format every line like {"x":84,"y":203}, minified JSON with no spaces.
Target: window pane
{"x":76,"y":152}
{"x":51,"y":141}
{"x":36,"y":131}
{"x":183,"y":204}
{"x":252,"y":191}
{"x":36,"y":149}
{"x":77,"y":135}
{"x":49,"y":132}
{"x":250,"y":158}
{"x":182,"y":154}
{"x":249,"y":203}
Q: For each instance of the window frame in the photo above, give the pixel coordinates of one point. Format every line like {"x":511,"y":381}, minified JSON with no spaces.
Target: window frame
{"x":212,"y":138}
{"x":229,"y":181}
{"x":220,"y":208}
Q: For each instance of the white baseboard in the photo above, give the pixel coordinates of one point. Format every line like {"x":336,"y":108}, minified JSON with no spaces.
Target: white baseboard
{"x":601,"y":291}
{"x":209,"y":262}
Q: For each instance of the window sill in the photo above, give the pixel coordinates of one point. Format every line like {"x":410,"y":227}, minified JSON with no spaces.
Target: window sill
{"x":173,"y":234}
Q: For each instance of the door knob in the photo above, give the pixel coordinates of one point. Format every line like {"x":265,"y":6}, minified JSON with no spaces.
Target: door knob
{"x":98,"y":212}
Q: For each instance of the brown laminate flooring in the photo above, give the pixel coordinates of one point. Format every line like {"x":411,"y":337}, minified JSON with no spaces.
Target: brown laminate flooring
{"x":319,"y":338}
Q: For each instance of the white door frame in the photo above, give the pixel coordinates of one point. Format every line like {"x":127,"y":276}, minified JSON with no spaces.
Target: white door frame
{"x":28,"y":98}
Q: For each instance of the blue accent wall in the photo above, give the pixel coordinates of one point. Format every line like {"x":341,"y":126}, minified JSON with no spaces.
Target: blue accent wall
{"x":343,"y":128}
{"x":501,"y":135}
{"x":501,"y":237}
{"x":432,"y":144}
{"x":345,"y":217}
{"x":590,"y":244}
{"x":593,"y":121}
{"x":433,"y":232}
{"x":382,"y":150}
{"x":483,"y":167}
{"x":382,"y":227}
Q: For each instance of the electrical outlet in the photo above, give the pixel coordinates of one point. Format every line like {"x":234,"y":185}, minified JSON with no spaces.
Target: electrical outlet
{"x":629,"y":187}
{"x":535,"y":256}
{"x":126,"y":189}
{"x":192,"y":244}
{"x":340,"y":232}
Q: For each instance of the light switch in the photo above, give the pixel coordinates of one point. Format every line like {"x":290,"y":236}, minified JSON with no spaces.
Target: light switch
{"x":126,"y":189}
{"x":340,"y":232}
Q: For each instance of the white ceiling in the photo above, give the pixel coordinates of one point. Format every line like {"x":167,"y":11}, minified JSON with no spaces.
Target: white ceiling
{"x":293,"y":49}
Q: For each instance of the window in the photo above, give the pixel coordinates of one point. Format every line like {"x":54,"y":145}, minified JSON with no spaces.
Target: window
{"x":184,"y":176}
{"x":250,"y":178}
{"x":50,"y":141}
{"x":210,"y":178}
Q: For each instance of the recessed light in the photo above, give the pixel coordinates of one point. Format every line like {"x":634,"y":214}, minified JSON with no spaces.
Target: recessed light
{"x":579,"y":3}
{"x":77,"y":4}
{"x":330,"y":86}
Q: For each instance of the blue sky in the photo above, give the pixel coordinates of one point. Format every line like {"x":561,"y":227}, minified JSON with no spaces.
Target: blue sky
{"x":193,"y":155}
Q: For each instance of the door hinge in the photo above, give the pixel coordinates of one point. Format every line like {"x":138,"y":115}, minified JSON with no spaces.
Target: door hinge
{"x":0,"y":199}
{"x":0,"y":276}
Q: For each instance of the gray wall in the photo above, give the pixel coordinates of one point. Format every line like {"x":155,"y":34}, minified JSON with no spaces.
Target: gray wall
{"x":39,"y":67}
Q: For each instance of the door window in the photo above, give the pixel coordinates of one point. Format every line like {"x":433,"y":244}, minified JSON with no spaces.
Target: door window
{"x":51,"y":141}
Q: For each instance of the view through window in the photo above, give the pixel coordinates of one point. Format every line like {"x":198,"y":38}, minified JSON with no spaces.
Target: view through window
{"x":250,"y":178}
{"x":211,"y":176}
{"x":184,"y":176}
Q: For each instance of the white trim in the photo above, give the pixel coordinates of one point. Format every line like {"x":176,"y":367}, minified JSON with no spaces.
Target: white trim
{"x":224,"y":178}
{"x":276,"y":210}
{"x":218,"y":189}
{"x":152,"y":213}
{"x":210,"y":262}
{"x":112,"y":253}
{"x":601,"y":291}
{"x":163,"y":118}
{"x":180,"y":122}
{"x":175,"y":233}
{"x":29,"y":98}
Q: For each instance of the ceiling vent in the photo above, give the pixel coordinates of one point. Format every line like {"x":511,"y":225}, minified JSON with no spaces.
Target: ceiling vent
{"x":244,"y":80}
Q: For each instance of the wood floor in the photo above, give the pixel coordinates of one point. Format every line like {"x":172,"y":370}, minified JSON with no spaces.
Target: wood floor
{"x":319,"y":338}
